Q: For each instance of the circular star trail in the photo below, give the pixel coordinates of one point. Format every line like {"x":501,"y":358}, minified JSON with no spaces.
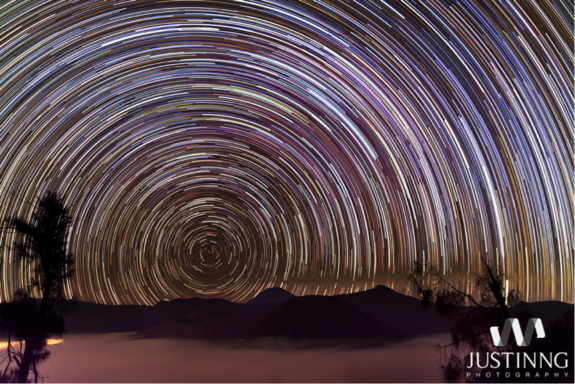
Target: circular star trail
{"x":215,"y":149}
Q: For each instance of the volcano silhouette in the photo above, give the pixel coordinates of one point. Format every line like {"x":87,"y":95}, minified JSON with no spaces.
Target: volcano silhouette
{"x":272,"y":295}
{"x":322,"y":317}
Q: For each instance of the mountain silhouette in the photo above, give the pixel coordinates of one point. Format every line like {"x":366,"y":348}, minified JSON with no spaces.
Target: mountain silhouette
{"x":101,"y":318}
{"x":201,"y":325}
{"x":406,"y":313}
{"x":547,"y":311}
{"x":272,"y":295}
{"x":322,"y":317}
{"x":376,"y":313}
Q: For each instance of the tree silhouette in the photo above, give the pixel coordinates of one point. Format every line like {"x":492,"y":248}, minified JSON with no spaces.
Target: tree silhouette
{"x":470,"y":330}
{"x":41,"y":243}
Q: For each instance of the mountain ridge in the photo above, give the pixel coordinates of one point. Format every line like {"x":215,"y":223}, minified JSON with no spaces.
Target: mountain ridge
{"x":223,"y":319}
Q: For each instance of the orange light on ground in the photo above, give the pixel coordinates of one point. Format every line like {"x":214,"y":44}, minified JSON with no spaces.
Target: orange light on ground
{"x":4,"y":344}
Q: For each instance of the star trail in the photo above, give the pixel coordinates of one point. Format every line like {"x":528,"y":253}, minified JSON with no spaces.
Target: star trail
{"x":215,"y":149}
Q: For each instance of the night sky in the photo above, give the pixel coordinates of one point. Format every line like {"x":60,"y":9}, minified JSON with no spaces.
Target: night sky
{"x":215,"y":149}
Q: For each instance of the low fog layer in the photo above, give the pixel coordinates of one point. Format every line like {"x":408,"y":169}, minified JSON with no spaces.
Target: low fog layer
{"x":117,"y":358}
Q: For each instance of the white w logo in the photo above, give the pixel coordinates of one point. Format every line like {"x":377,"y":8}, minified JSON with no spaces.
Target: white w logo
{"x":501,"y":340}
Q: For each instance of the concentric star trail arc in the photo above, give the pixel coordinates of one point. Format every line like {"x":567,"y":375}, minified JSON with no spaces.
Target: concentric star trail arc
{"x":217,"y":148}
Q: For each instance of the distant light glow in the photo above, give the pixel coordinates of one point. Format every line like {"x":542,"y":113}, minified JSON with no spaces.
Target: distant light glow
{"x":4,"y":344}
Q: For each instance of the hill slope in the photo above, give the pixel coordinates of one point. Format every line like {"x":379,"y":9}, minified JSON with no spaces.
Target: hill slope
{"x":272,"y":295}
{"x":321,"y":317}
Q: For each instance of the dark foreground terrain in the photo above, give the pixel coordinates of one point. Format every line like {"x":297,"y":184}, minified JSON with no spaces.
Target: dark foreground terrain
{"x":377,"y":314}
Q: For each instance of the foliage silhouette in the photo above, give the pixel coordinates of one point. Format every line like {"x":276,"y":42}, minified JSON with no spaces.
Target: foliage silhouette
{"x":470,"y":330}
{"x":41,"y":243}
